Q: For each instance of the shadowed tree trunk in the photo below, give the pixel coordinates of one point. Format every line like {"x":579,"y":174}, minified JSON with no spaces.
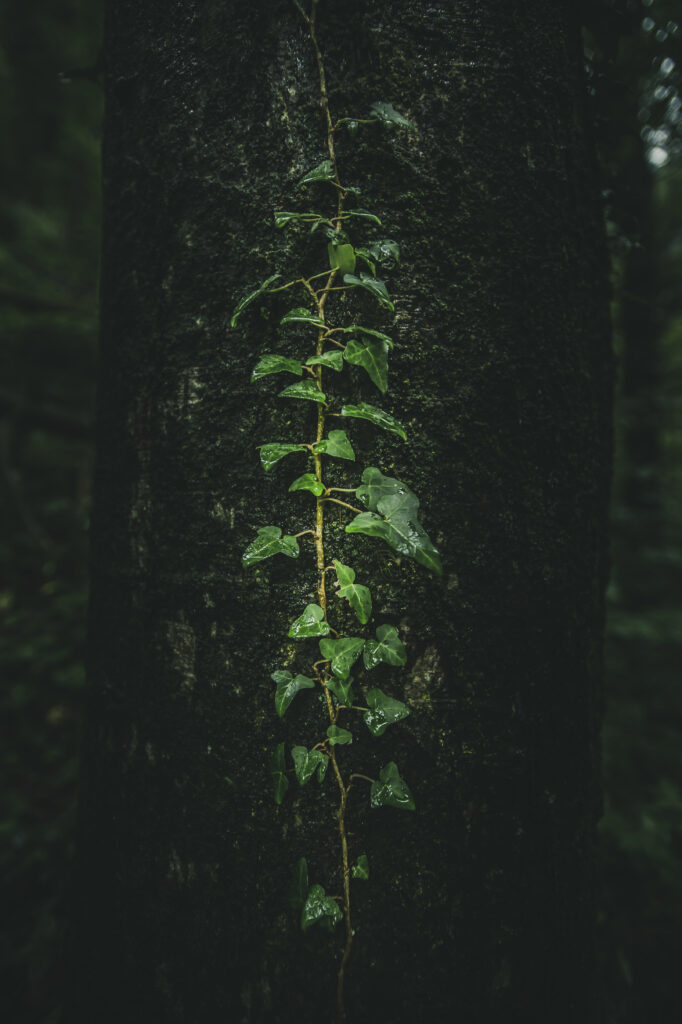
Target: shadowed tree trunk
{"x":480,"y":904}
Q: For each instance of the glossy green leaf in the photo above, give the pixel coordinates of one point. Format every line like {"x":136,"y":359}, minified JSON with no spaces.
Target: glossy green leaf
{"x":335,"y":444}
{"x":323,"y":172}
{"x":383,"y":711}
{"x":319,"y":908}
{"x":363,"y":213}
{"x":376,"y":486}
{"x":301,"y":315}
{"x":307,"y":389}
{"x":307,"y":762}
{"x":356,"y":329}
{"x":287,"y":688}
{"x":307,"y":482}
{"x":298,"y":890}
{"x":366,"y":257}
{"x":387,"y":647}
{"x":390,"y":790}
{"x":388,"y":115}
{"x":372,"y":355}
{"x":342,"y":653}
{"x":270,"y":542}
{"x":385,"y":251}
{"x":333,"y":360}
{"x":280,"y":783}
{"x":275,"y":364}
{"x":337,"y":735}
{"x":342,"y":690}
{"x":358,"y":597}
{"x":248,"y":299}
{"x":270,"y":454}
{"x":310,"y":624}
{"x":360,"y":870}
{"x":373,"y":285}
{"x":284,"y":217}
{"x":341,"y":258}
{"x":382,"y":419}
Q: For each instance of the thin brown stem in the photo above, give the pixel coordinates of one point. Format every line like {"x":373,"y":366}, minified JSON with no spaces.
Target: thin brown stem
{"x":344,"y":503}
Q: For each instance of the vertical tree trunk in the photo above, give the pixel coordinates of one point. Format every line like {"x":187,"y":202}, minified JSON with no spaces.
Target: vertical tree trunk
{"x":480,"y":905}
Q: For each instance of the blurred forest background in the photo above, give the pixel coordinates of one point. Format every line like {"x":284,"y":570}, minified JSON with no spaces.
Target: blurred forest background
{"x":51,"y":113}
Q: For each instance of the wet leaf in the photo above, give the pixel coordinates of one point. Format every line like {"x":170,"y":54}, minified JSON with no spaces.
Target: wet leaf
{"x":342,"y":690}
{"x":360,"y":870}
{"x":383,"y":711}
{"x":382,"y":419}
{"x":288,"y":688}
{"x":270,"y":454}
{"x":248,"y":299}
{"x":358,"y":597}
{"x":387,"y":647}
{"x":270,"y":542}
{"x":323,"y":172}
{"x":384,"y":251}
{"x":337,"y":735}
{"x":366,"y":257}
{"x":342,"y":653}
{"x":307,"y":762}
{"x":301,"y":315}
{"x":276,"y":364}
{"x":280,"y":783}
{"x":375,"y":486}
{"x":307,"y":482}
{"x":310,"y":624}
{"x":333,"y":360}
{"x":373,"y":285}
{"x":372,"y":355}
{"x":390,"y":790}
{"x":319,"y":908}
{"x":335,"y":444}
{"x":389,"y":116}
{"x":307,"y":389}
{"x":298,"y":890}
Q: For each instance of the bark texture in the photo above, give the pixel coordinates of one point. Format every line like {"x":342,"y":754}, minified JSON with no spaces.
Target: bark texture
{"x":480,"y":904}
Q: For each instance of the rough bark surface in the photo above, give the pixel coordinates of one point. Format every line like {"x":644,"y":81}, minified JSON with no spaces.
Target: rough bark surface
{"x":481,"y":903}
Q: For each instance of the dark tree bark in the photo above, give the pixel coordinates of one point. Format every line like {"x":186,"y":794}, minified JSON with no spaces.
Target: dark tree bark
{"x":481,"y":903}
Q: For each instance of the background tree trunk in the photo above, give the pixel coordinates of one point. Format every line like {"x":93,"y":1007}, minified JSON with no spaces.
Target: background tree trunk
{"x":481,"y":903}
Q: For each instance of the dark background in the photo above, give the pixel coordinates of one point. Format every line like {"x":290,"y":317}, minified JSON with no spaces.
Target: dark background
{"x":51,"y":111}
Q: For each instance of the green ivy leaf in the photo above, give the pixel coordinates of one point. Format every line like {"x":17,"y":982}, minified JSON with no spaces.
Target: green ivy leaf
{"x":390,"y":790}
{"x":372,"y":355}
{"x":270,"y":454}
{"x":283,"y":217}
{"x":307,"y":482}
{"x":383,"y":711}
{"x":319,"y":908}
{"x":358,"y":597}
{"x":275,"y":364}
{"x":307,"y":389}
{"x":375,"y":486}
{"x":385,"y":251}
{"x":301,"y":315}
{"x":366,"y":257}
{"x":307,"y":762}
{"x":333,"y":360}
{"x":388,"y":115}
{"x":337,"y":735}
{"x":280,"y":783}
{"x":387,"y":647}
{"x":287,"y":688}
{"x":363,"y":213}
{"x":342,"y":653}
{"x":342,"y":690}
{"x":269,"y":542}
{"x":323,"y":172}
{"x":382,"y":419}
{"x":310,"y":624}
{"x":372,"y":285}
{"x":356,"y":329}
{"x":335,"y":444}
{"x":298,"y":890}
{"x":341,"y":258}
{"x":248,"y":299}
{"x":361,"y":869}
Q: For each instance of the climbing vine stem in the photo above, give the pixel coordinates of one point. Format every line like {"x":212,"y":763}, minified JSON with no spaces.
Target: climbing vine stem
{"x":389,"y":512}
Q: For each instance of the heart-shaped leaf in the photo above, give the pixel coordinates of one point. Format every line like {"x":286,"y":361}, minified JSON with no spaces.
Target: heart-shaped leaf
{"x":307,"y":389}
{"x":385,"y":251}
{"x":337,"y":735}
{"x":383,"y":711}
{"x":270,"y":454}
{"x":268,"y":542}
{"x":357,"y":596}
{"x":372,"y":355}
{"x":298,"y":890}
{"x":280,"y":783}
{"x":361,"y":869}
{"x":382,"y":419}
{"x":375,"y":486}
{"x":372,"y":285}
{"x":310,"y":624}
{"x":319,"y":908}
{"x":275,"y":364}
{"x":390,"y":790}
{"x":301,"y":315}
{"x":248,"y":299}
{"x":336,"y":444}
{"x":342,"y":653}
{"x":307,"y":762}
{"x":333,"y":360}
{"x":342,"y":690}
{"x":387,"y":647}
{"x":388,"y":115}
{"x":287,"y":688}
{"x":307,"y":482}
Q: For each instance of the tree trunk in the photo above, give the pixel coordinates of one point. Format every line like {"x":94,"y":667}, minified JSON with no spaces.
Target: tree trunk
{"x":480,"y":904}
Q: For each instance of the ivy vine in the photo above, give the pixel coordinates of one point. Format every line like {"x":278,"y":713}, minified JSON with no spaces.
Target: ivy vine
{"x":389,"y":510}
